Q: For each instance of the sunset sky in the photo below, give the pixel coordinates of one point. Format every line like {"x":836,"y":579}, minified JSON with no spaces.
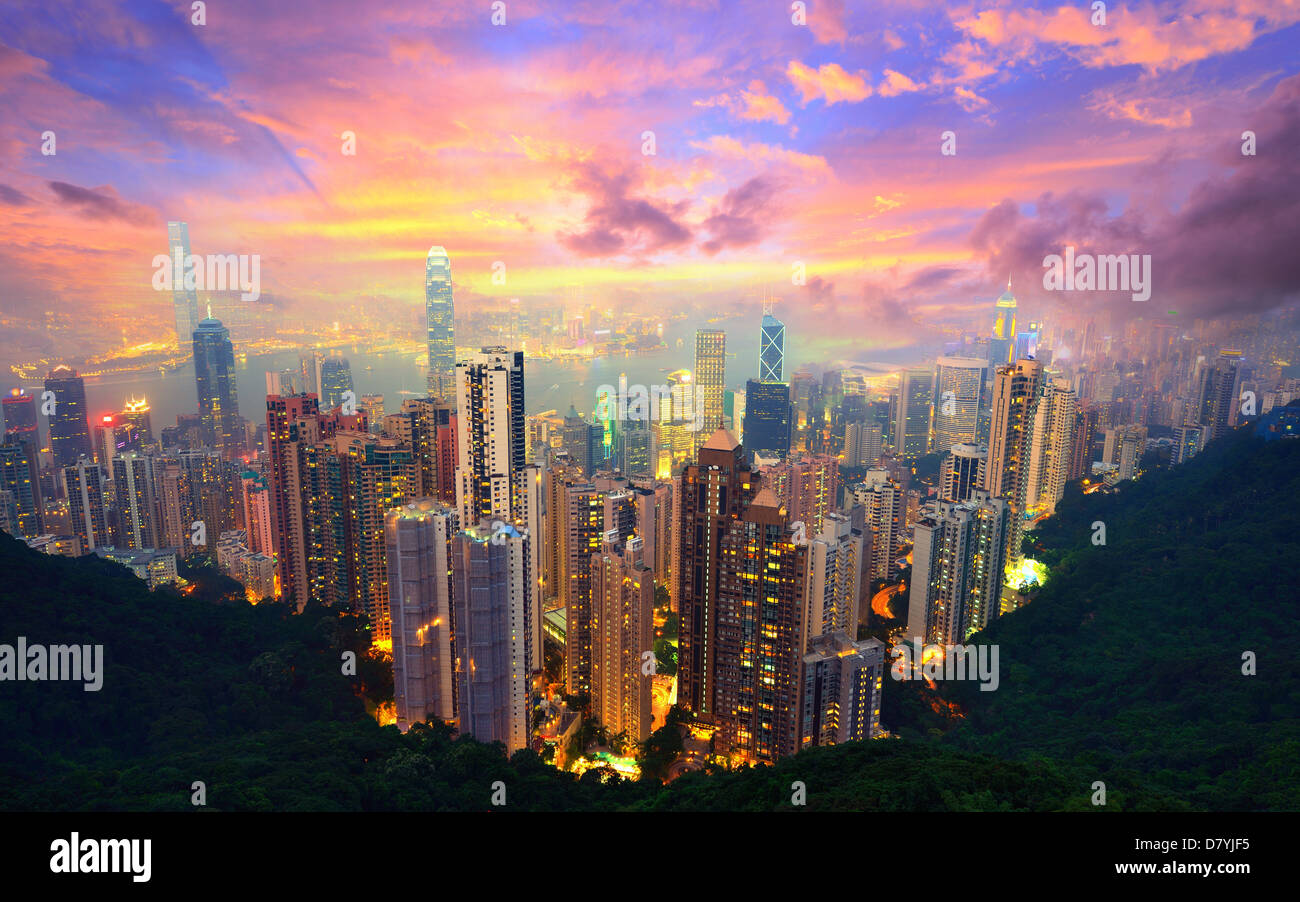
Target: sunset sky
{"x":775,"y":143}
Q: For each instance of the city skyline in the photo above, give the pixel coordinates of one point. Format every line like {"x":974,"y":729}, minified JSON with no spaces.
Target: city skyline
{"x":759,"y":140}
{"x":718,"y":406}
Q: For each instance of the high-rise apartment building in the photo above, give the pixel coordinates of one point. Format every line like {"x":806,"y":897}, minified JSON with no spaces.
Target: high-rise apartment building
{"x":743,"y":582}
{"x":1218,"y":395}
{"x":1016,"y":390}
{"x":622,"y":630}
{"x":492,"y":443}
{"x":1187,"y":442}
{"x":962,"y":471}
{"x":1051,"y":446}
{"x":958,"y":558}
{"x":491,"y":586}
{"x":863,"y":444}
{"x":418,"y":536}
{"x":83,"y":485}
{"x":294,"y":426}
{"x":884,"y":503}
{"x":834,"y":577}
{"x":807,"y":487}
{"x":255,"y":495}
{"x":842,"y":681}
{"x":20,"y":423}
{"x":20,"y":479}
{"x":138,"y":511}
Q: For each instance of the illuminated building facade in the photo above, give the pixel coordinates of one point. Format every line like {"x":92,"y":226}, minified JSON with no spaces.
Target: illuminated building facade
{"x":440,"y":321}
{"x":958,"y":386}
{"x":622,"y":629}
{"x":710,"y":381}
{"x":958,"y":557}
{"x":742,"y":601}
{"x":490,"y":590}
{"x":69,"y":429}
{"x":912,"y":416}
{"x":221,"y":426}
{"x":418,"y":538}
{"x":842,"y":681}
{"x":492,"y":443}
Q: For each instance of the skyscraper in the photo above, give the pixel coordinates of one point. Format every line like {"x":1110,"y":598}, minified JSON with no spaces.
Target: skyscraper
{"x":83,"y":484}
{"x":808,"y":487}
{"x":490,"y":588}
{"x":440,"y":320}
{"x":958,"y":557}
{"x":1002,"y":341}
{"x":622,"y":629}
{"x":136,"y":413}
{"x":335,"y":379}
{"x":884,"y":501}
{"x":1218,"y":395}
{"x":20,"y":460}
{"x":958,"y":385}
{"x":594,"y":513}
{"x":492,"y":441}
{"x":742,"y":586}
{"x":962,"y":471}
{"x":834,"y":577}
{"x":137,"y":506}
{"x":771,"y":350}
{"x":19,"y":478}
{"x":294,"y":425}
{"x":418,"y":536}
{"x":185,"y":301}
{"x":1016,"y":391}
{"x":1052,"y":446}
{"x":20,"y":423}
{"x":842,"y":680}
{"x":1187,"y":442}
{"x":912,"y":426}
{"x":221,"y":426}
{"x":767,"y":419}
{"x":1016,"y":388}
{"x":375,"y":474}
{"x":255,"y":493}
{"x":69,"y":429}
{"x":712,"y":492}
{"x":710,"y":381}
{"x":636,"y":448}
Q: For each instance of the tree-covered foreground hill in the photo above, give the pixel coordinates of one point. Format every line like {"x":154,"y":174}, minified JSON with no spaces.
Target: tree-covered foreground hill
{"x":1125,"y":669}
{"x":1134,"y":658}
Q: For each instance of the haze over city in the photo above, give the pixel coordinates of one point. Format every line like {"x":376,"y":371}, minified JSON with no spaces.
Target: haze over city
{"x":882,"y":408}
